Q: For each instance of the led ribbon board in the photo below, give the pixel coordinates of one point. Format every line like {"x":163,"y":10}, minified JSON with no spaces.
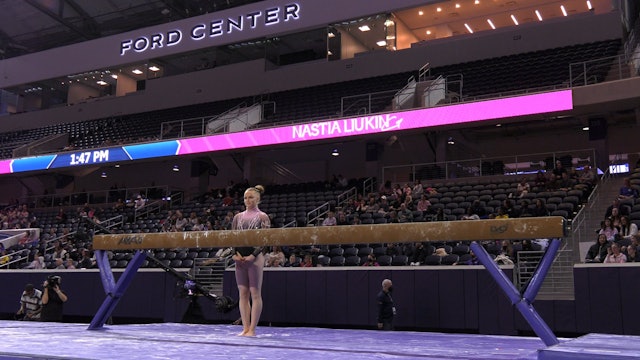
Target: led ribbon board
{"x":341,"y":128}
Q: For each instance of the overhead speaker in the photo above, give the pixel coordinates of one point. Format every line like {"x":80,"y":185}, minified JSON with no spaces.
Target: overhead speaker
{"x":597,"y":128}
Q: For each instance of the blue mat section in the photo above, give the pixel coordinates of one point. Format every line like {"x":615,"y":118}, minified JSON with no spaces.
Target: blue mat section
{"x":594,"y":346}
{"x":24,"y":340}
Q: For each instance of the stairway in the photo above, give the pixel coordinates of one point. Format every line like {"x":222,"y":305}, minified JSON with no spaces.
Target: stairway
{"x":209,"y":273}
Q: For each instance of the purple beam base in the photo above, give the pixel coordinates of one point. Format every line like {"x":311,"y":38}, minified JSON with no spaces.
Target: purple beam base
{"x":523,"y":303}
{"x":113,"y":290}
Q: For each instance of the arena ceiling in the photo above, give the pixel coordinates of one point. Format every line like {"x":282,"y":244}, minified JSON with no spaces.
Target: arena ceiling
{"x":28,"y":26}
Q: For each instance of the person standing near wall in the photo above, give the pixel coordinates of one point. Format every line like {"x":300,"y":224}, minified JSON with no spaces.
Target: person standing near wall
{"x":386,"y":308}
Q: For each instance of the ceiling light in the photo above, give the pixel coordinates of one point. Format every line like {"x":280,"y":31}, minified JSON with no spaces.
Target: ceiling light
{"x":498,"y":125}
{"x":491,"y":24}
{"x":539,"y":15}
{"x":329,"y":53}
{"x":388,"y":23}
{"x":589,"y":5}
{"x":381,"y":43}
{"x":564,"y":11}
{"x":114,"y":76}
{"x":428,"y":32}
{"x":513,"y":17}
{"x":450,"y":141}
{"x":335,"y":152}
{"x":420,"y":12}
{"x":176,"y":168}
{"x":331,"y":34}
{"x":439,"y":9}
{"x":101,"y":82}
{"x":390,"y":37}
{"x":477,"y":2}
{"x":586,"y":128}
{"x":457,"y":6}
{"x":103,"y":175}
{"x":116,"y":165}
{"x":136,"y":71}
{"x":364,"y":28}
{"x":154,"y":68}
{"x":468,"y":28}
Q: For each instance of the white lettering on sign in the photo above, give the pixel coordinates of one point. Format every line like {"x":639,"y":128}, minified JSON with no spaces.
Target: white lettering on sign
{"x":213,"y":29}
{"x":365,"y":124}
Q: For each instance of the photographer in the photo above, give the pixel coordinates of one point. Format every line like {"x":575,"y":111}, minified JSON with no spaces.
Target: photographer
{"x":30,"y":304}
{"x":53,"y":299}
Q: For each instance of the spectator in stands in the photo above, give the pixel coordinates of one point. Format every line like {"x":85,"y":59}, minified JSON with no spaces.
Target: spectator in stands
{"x":371,"y":261}
{"x":607,"y":229}
{"x":139,"y":202}
{"x":61,"y":217}
{"x":181,"y":221}
{"x":439,"y":216}
{"x":614,"y":255}
{"x":330,"y":220}
{"x":342,"y":219}
{"x":616,"y":218}
{"x":540,"y":180}
{"x":419,"y":253}
{"x":250,"y":261}
{"x":628,"y":229}
{"x":275,"y":256}
{"x":37,"y":262}
{"x":626,"y":191}
{"x":558,"y":170}
{"x":30,"y":304}
{"x":506,"y":249}
{"x":598,"y":251}
{"x":632,"y":254}
{"x":59,"y":264}
{"x":393,"y":250}
{"x":386,"y":189}
{"x":293,"y":261}
{"x":404,"y":214}
{"x":386,"y":308}
{"x":524,"y":209}
{"x":4,"y":258}
{"x":587,"y":177}
{"x":70,"y":264}
{"x":392,"y":217}
{"x":622,"y":210}
{"x":501,"y":213}
{"x":59,"y":251}
{"x":307,"y":261}
{"x":523,"y":188}
{"x":87,"y":262}
{"x":469,"y":215}
{"x":565,"y":183}
{"x":423,"y":204}
{"x":417,"y":190}
{"x":539,"y":209}
{"x":53,"y":299}
{"x":119,"y":205}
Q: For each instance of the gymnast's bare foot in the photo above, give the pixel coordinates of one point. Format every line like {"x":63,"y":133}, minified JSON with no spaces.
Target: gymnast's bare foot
{"x":243,"y":333}
{"x":249,"y":333}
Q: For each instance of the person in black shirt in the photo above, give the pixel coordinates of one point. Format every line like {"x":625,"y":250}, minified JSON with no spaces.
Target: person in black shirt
{"x":386,"y":308}
{"x":53,"y":299}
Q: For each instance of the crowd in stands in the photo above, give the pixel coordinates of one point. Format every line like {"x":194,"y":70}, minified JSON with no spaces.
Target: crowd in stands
{"x":618,"y":240}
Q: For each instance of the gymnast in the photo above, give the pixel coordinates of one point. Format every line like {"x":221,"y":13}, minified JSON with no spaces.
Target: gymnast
{"x":250,"y":261}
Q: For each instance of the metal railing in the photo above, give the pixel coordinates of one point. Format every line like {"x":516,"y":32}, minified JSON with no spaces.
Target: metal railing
{"x":558,"y":283}
{"x":96,"y":197}
{"x":362,"y":104}
{"x":598,"y":70}
{"x":469,"y":168}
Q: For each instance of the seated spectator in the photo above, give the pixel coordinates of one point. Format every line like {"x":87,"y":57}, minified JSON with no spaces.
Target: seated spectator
{"x":525,"y":211}
{"x":607,"y":229}
{"x":330,"y":220}
{"x":386,"y":189}
{"x":70,"y":264}
{"x":626,"y":191}
{"x":418,"y":255}
{"x":404,"y":214}
{"x":469,"y":215}
{"x":293,"y":261}
{"x":632,"y":254}
{"x":598,"y":251}
{"x":393,"y":250}
{"x":540,"y":209}
{"x":587,"y":177}
{"x":59,"y":263}
{"x":139,"y":202}
{"x":627,"y":228}
{"x":86,"y":262}
{"x":61,"y":217}
{"x":342,"y":219}
{"x":307,"y":261}
{"x":417,"y":189}
{"x":371,"y":261}
{"x":4,"y":258}
{"x":622,"y":210}
{"x":558,"y":171}
{"x":565,"y":183}
{"x":37,"y":262}
{"x":614,"y":255}
{"x":523,"y":188}
{"x":181,"y":222}
{"x":59,"y":251}
{"x":423,"y":204}
{"x":540,"y":181}
{"x":275,"y":258}
{"x":472,"y":260}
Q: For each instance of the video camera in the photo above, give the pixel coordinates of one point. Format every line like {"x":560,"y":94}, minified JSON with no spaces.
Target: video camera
{"x":53,"y":281}
{"x":190,"y":288}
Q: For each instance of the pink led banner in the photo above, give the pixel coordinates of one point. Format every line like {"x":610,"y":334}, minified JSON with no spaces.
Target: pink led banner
{"x":405,"y":120}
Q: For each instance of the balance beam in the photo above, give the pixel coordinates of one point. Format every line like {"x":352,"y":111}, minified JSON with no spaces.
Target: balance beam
{"x":470,"y":230}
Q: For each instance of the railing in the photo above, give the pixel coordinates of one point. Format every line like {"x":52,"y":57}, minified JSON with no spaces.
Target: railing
{"x":362,"y":104}
{"x":507,"y":165}
{"x":150,"y":208}
{"x":346,"y":196}
{"x":597,"y":70}
{"x":97,"y":196}
{"x":369,"y":186}
{"x":558,"y":283}
{"x":405,"y":94}
{"x":424,"y":72}
{"x":315,"y":216}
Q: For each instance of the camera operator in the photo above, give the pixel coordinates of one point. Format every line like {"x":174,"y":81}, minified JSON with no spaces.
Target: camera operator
{"x":30,"y":304}
{"x":53,"y":299}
